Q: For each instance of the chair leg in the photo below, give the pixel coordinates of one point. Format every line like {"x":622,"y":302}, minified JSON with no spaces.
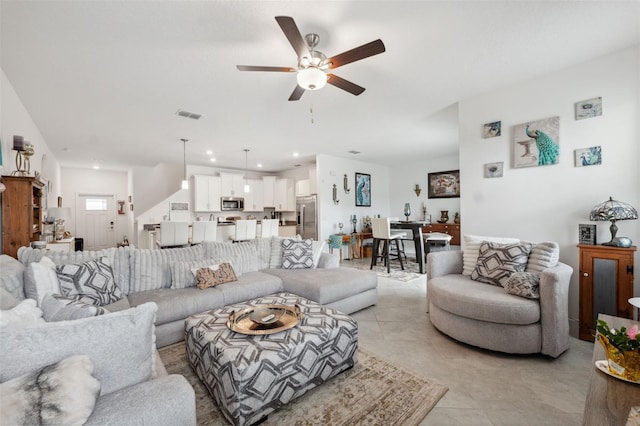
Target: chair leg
{"x":374,"y":253}
{"x":386,"y":255}
{"x":400,"y":255}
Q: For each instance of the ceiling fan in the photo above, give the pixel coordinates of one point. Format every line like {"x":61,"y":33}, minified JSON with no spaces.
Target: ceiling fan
{"x":313,"y":65}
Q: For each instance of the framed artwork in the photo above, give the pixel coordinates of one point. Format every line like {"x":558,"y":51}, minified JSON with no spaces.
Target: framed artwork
{"x":444,"y":184}
{"x":493,"y":170}
{"x":363,"y":190}
{"x":587,"y":234}
{"x":588,"y":156}
{"x":536,"y":143}
{"x":589,"y":108}
{"x":491,"y":130}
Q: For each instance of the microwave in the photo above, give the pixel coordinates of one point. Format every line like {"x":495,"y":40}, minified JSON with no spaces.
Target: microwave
{"x":231,"y":203}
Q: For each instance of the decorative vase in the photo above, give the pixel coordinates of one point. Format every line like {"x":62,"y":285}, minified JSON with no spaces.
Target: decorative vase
{"x":407,"y":211}
{"x":622,"y":364}
{"x":456,"y":218}
{"x":444,"y":216}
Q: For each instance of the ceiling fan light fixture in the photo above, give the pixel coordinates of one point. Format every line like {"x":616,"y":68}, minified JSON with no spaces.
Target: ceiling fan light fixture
{"x":311,"y":78}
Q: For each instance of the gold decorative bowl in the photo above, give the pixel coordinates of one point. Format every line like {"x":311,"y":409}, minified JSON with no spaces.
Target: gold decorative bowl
{"x":621,"y":364}
{"x":264,"y":319}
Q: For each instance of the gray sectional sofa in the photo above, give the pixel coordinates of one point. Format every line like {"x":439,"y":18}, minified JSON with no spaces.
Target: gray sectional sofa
{"x":487,"y":316}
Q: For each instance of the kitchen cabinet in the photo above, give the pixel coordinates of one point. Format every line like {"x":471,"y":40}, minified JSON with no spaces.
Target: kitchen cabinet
{"x":606,"y":285}
{"x":206,"y":193}
{"x":22,"y":212}
{"x":285,"y":198}
{"x":303,"y":188}
{"x":231,"y":185}
{"x":269,"y":191}
{"x":452,"y":229}
{"x":254,"y":200}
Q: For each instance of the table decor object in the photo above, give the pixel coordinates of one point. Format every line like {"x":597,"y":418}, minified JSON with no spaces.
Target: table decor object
{"x":613,"y":211}
{"x":622,"y":348}
{"x":266,"y":319}
{"x":407,"y":211}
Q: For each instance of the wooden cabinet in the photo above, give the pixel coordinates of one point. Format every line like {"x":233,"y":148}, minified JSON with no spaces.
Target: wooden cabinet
{"x":22,"y":212}
{"x":253,"y":200}
{"x":206,"y":193}
{"x":231,"y":185}
{"x":452,"y":229}
{"x":606,"y":284}
{"x":285,"y":198}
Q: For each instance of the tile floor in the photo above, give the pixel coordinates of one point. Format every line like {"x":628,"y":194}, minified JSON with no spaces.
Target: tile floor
{"x":485,"y":388}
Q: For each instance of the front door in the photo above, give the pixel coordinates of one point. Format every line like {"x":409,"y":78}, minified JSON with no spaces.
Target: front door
{"x":96,"y":220}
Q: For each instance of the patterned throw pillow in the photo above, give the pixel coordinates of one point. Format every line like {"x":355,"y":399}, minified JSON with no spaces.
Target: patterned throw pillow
{"x":62,"y":393}
{"x":471,"y":250}
{"x":182,"y":275}
{"x":58,"y":308}
{"x":90,"y":282}
{"x":496,"y":262}
{"x":297,"y":254}
{"x":524,"y":284}
{"x":213,"y":275}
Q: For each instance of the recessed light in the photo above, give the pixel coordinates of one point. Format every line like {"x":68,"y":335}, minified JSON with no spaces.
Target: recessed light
{"x":295,"y":154}
{"x":212,"y":159}
{"x":96,"y":167}
{"x":259,"y":165}
{"x":208,"y":152}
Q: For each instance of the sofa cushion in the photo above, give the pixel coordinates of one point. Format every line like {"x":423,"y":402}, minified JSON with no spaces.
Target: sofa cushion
{"x":57,"y":308}
{"x":497,"y":262}
{"x":182,"y":275}
{"x":277,"y":250}
{"x":326,"y":285}
{"x":524,"y":284}
{"x":471,"y":250}
{"x":543,"y":255}
{"x":63,"y":393}
{"x":297,"y":254}
{"x":249,"y":286}
{"x":151,"y":269}
{"x":121,"y":346}
{"x":460,"y":295}
{"x":40,"y":279}
{"x":11,"y":282}
{"x":245,"y":254}
{"x":90,"y":282}
{"x":178,"y":304}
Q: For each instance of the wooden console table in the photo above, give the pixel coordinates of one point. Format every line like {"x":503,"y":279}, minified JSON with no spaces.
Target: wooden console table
{"x":608,"y":399}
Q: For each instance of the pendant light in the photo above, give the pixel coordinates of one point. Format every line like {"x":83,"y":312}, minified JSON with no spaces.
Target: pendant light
{"x":247,"y":188}
{"x":185,"y":182}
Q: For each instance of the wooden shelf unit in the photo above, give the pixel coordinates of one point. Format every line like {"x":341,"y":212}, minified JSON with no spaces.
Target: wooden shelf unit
{"x":22,"y":212}
{"x":452,"y":229}
{"x":606,"y":285}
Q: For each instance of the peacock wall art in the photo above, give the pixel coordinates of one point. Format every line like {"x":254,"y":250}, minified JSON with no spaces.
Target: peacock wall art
{"x":536,"y":143}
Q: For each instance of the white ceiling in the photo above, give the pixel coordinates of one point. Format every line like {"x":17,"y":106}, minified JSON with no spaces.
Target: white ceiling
{"x":103,"y":80}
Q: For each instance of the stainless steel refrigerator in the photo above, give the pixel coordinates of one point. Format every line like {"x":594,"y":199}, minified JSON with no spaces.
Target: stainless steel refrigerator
{"x":307,"y":217}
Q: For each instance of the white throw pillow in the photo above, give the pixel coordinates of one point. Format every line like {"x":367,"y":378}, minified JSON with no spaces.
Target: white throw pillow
{"x":40,"y":279}
{"x":62,"y":394}
{"x":544,"y":255}
{"x":318,"y":248}
{"x":471,"y":250}
{"x":22,"y":315}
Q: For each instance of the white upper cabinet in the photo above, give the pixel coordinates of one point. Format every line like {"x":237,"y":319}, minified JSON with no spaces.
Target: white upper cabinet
{"x":206,"y":193}
{"x":254,"y":199}
{"x":268,"y":191}
{"x":285,"y":197}
{"x":231,"y":185}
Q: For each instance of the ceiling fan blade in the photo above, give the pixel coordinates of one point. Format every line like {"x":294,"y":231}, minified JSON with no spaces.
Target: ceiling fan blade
{"x":343,"y":84}
{"x":260,"y":68}
{"x":291,"y":31}
{"x":370,"y":49}
{"x":296,"y":94}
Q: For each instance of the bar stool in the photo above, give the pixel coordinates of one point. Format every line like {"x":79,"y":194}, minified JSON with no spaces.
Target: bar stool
{"x":245,"y":230}
{"x":402,"y":235}
{"x":382,"y":232}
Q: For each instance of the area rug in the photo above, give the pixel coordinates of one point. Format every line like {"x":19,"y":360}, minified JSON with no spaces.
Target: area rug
{"x":410,"y":272}
{"x":373,"y":392}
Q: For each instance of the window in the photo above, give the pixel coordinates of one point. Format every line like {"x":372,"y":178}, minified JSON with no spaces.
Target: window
{"x":95,"y":204}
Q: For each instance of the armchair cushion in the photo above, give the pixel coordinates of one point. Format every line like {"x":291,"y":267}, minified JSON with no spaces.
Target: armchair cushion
{"x":496,"y":262}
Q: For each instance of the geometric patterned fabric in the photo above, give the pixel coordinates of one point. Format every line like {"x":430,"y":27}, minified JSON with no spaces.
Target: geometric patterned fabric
{"x":496,"y":262}
{"x":524,"y":284}
{"x":252,"y":376}
{"x":90,"y":282}
{"x":213,"y":275}
{"x":297,"y":254}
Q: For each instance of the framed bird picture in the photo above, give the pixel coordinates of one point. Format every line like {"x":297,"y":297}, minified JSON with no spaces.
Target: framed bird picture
{"x":536,"y":143}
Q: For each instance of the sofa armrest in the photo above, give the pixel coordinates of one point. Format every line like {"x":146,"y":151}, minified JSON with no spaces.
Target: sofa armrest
{"x":168,"y":400}
{"x":554,"y":309}
{"x":444,"y":263}
{"x":329,"y":260}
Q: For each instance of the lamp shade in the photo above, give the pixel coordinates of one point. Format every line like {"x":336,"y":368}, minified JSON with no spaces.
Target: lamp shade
{"x":613,"y":210}
{"x":311,"y":78}
{"x":63,"y":213}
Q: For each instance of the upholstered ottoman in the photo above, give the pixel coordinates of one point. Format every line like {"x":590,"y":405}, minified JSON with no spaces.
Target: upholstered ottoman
{"x":250,"y":376}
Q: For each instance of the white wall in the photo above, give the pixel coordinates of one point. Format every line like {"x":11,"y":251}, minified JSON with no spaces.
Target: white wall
{"x":99,"y":182}
{"x":331,"y":170}
{"x":152,"y":184}
{"x":548,"y":202}
{"x":404,"y":178}
{"x":15,"y":120}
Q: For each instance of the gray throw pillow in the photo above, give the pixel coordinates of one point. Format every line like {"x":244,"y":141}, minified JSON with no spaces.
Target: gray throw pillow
{"x":60,"y":394}
{"x":496,"y":262}
{"x":297,"y":254}
{"x":524,"y":284}
{"x":90,"y":282}
{"x":57,"y":308}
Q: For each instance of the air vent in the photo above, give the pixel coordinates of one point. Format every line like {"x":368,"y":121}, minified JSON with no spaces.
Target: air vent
{"x":188,"y":114}
{"x":353,"y":152}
